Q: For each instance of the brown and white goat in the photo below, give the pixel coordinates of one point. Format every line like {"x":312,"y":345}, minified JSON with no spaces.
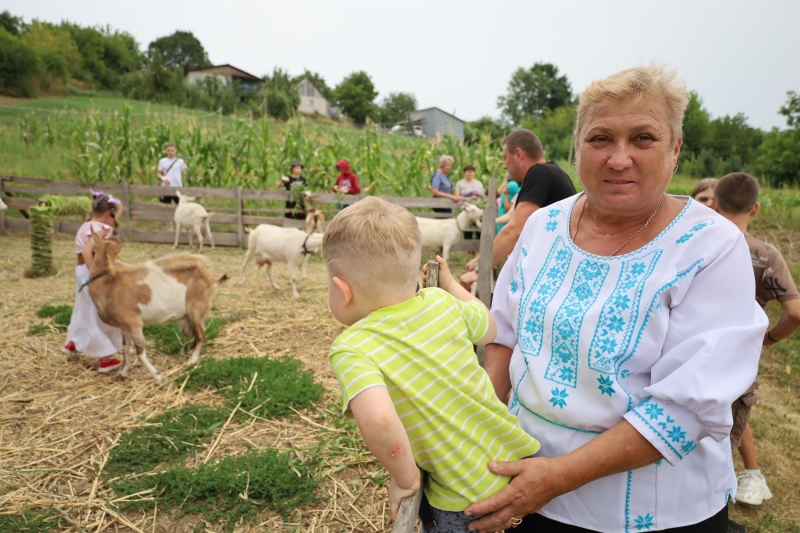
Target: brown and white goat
{"x":164,"y":290}
{"x":315,"y":218}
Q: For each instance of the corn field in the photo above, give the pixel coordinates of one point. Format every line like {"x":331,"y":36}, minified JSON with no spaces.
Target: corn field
{"x":238,"y":152}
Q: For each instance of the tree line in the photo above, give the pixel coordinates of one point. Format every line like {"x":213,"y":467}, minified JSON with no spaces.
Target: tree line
{"x":65,"y":57}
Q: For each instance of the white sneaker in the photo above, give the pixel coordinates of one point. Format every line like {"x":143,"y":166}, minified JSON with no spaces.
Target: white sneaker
{"x":753,"y":489}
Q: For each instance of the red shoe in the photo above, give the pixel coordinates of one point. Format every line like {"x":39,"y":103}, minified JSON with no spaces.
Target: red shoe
{"x":108,"y":365}
{"x":69,"y":348}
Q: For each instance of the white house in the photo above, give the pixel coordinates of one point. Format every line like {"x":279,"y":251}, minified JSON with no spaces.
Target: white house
{"x":313,"y":102}
{"x":245,"y":82}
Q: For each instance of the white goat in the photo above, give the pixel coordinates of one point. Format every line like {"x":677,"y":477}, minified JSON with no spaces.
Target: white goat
{"x":3,"y":205}
{"x":315,"y":218}
{"x":168,"y":289}
{"x":195,"y":218}
{"x":445,"y":233}
{"x":290,"y":245}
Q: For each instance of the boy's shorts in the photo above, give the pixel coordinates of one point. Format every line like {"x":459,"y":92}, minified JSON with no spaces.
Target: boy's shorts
{"x":741,"y":413}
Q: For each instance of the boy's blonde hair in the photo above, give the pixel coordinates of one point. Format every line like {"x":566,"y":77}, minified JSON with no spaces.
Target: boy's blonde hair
{"x":375,"y":242}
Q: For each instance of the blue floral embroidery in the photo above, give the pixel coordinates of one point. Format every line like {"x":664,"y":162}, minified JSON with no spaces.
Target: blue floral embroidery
{"x":619,"y":314}
{"x":554,"y":212}
{"x":692,"y":232}
{"x":551,"y":226}
{"x":605,"y":386}
{"x":653,"y":410}
{"x":645,"y":522}
{"x":559,"y":398}
{"x":688,"y":446}
{"x":514,"y":286}
{"x":676,"y":435}
{"x":587,"y":282}
{"x":536,"y":298}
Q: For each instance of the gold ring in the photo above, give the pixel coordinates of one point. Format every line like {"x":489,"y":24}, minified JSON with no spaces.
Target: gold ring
{"x":515,"y":521}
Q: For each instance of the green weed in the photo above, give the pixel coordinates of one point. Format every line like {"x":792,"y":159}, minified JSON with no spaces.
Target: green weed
{"x":167,"y":438}
{"x":59,"y":315}
{"x":169,"y":339}
{"x":232,"y":489}
{"x":29,"y":522}
{"x":280,"y":384}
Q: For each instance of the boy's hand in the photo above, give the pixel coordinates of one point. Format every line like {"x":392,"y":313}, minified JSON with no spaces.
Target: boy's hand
{"x":445,"y":277}
{"x":396,"y":495}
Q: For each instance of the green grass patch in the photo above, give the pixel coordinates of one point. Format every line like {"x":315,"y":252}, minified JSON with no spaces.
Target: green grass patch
{"x":29,"y":522}
{"x":280,"y":384}
{"x":59,"y":319}
{"x":232,"y":489}
{"x":167,"y":438}
{"x":169,"y":339}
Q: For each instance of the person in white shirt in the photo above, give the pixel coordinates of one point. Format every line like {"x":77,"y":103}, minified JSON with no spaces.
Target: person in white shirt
{"x":171,"y":170}
{"x":626,"y":328}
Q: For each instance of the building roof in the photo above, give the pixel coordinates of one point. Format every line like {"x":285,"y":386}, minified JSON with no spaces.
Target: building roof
{"x":226,"y":69}
{"x":437,"y":109}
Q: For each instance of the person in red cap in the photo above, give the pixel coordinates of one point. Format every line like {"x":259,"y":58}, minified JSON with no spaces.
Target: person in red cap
{"x":347,"y":182}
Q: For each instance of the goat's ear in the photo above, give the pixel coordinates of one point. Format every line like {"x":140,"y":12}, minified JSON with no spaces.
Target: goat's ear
{"x":179,"y":194}
{"x":95,"y":236}
{"x":124,"y":241}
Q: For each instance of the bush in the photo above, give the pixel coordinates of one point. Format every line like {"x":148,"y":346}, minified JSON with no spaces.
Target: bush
{"x":19,"y":66}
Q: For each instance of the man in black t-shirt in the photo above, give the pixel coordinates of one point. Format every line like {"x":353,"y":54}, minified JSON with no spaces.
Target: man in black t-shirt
{"x":543,"y":183}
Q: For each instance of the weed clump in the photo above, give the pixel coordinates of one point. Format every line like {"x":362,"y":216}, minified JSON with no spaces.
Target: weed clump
{"x":59,"y":319}
{"x":279,"y":386}
{"x":229,"y":490}
{"x":29,"y":522}
{"x":166,"y":439}
{"x":169,"y":339}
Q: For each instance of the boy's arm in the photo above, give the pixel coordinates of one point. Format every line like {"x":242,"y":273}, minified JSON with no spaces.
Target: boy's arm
{"x":787,"y":324}
{"x":448,"y":283}
{"x":386,"y":438}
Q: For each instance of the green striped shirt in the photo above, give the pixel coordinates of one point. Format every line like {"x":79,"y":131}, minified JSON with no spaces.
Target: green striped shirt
{"x":421,"y":350}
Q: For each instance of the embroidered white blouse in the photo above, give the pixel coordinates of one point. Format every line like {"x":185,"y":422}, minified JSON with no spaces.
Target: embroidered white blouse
{"x":666,"y":337}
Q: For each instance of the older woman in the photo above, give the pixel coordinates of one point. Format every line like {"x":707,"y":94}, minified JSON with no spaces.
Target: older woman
{"x":441,"y":186}
{"x":626,"y":329}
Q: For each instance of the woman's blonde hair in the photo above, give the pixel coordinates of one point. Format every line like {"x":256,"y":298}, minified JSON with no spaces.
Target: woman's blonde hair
{"x":653,"y":81}
{"x":444,"y":160}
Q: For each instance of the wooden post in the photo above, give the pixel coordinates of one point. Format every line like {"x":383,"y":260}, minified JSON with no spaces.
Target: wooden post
{"x":407,"y":514}
{"x":485,"y":270}
{"x":128,"y":215}
{"x":432,"y":279}
{"x":239,"y":208}
{"x":2,"y":212}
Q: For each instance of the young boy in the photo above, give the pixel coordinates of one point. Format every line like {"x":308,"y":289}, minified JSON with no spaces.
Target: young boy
{"x":736,"y":198}
{"x":407,"y":369}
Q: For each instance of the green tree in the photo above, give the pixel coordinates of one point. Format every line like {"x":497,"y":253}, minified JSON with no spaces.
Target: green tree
{"x":318,"y":82}
{"x":533,"y":91}
{"x":56,"y":49}
{"x":181,"y":49}
{"x":791,"y":110}
{"x":696,"y":125}
{"x":281,"y":95}
{"x":356,"y":95}
{"x":396,"y":107}
{"x":105,"y":54}
{"x":19,"y":66}
{"x":13,"y":25}
{"x":778,"y":157}
{"x":486,"y":125}
{"x":554,"y":129}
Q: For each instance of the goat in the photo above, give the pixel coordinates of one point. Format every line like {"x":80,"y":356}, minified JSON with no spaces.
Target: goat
{"x":3,"y":205}
{"x":160,"y":291}
{"x":274,"y":243}
{"x":445,"y":233}
{"x":315,"y":219}
{"x":194,"y":217}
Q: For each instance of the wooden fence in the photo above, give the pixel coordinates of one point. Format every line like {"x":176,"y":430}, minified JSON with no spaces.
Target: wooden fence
{"x":140,"y":204}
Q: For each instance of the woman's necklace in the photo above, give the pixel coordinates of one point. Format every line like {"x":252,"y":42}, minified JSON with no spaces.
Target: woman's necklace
{"x":649,"y":219}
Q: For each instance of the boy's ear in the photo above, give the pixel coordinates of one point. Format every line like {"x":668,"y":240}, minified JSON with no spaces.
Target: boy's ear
{"x":714,"y":205}
{"x":345,"y":288}
{"x":756,"y":207}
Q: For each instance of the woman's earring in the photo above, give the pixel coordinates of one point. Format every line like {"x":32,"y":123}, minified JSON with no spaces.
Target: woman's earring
{"x":674,"y":170}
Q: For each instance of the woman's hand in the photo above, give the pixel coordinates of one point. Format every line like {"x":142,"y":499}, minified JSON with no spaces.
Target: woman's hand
{"x":472,"y":265}
{"x":396,"y":495}
{"x":535,"y":482}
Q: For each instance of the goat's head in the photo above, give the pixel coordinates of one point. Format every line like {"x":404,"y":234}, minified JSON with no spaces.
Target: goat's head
{"x":473,"y":212}
{"x":106,"y":252}
{"x":184,"y":198}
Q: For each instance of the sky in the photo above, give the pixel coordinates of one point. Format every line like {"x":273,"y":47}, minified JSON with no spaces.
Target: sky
{"x":739,"y":56}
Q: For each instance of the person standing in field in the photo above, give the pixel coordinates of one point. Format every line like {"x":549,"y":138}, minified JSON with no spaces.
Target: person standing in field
{"x":347,"y":182}
{"x":441,"y":186}
{"x":295,"y":176}
{"x":171,"y":170}
{"x":736,"y":198}
{"x":470,"y":189}
{"x":87,"y":333}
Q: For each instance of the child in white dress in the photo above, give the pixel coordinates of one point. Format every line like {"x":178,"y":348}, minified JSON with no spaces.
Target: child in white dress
{"x":87,"y":333}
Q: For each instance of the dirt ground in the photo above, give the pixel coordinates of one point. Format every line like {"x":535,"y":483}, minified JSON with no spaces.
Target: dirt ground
{"x":59,"y":418}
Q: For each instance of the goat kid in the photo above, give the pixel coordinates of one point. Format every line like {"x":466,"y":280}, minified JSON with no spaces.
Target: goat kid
{"x":195,"y":218}
{"x":164,"y":290}
{"x":292,"y":246}
{"x":445,"y":233}
{"x":315,"y":218}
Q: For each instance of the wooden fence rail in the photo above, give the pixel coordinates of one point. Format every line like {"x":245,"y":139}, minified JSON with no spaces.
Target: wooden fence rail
{"x":20,"y":193}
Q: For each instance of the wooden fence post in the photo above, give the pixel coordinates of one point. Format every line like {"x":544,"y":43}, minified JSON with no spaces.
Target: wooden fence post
{"x":2,"y":212}
{"x":128,"y":215}
{"x":239,"y":209}
{"x":485,"y":270}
